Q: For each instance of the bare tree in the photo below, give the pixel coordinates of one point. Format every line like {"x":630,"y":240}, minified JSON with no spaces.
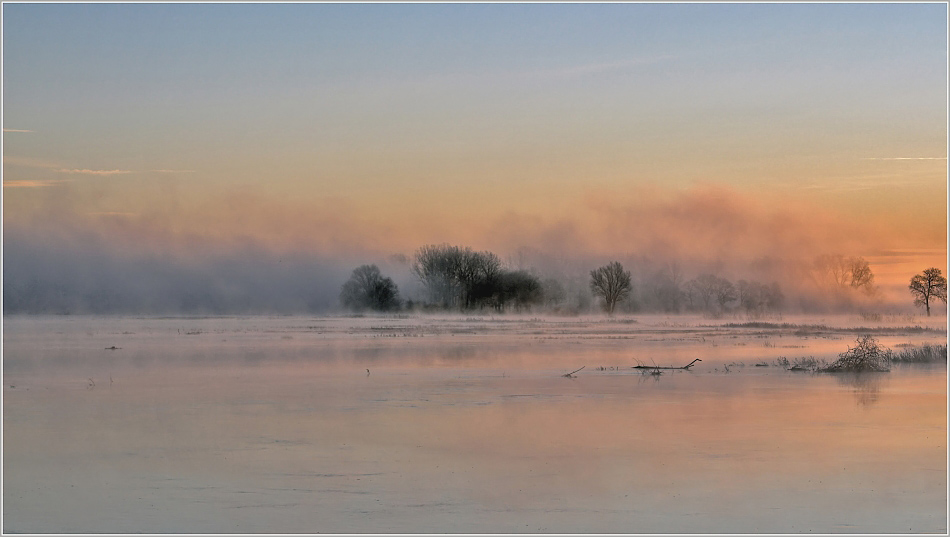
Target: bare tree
{"x":861,"y":276}
{"x":749,"y":295}
{"x":457,"y":277}
{"x":756,"y":298}
{"x":928,"y":286}
{"x":843,"y":273}
{"x":435,"y":266}
{"x":475,"y":269}
{"x":711,"y":290}
{"x":704,"y":288}
{"x":725,"y":292}
{"x":831,"y":270}
{"x":611,"y":283}
{"x":368,"y":289}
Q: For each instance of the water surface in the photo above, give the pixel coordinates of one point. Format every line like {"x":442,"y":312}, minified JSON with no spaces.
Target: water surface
{"x":460,"y":425}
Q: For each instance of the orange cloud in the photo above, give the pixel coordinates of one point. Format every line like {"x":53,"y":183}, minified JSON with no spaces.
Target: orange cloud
{"x":704,"y":223}
{"x":94,"y":172}
{"x":31,"y":183}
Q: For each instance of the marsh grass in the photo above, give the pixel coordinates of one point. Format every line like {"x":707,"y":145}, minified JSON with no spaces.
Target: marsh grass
{"x":806,"y":363}
{"x":921,"y":355}
{"x":808,"y":329}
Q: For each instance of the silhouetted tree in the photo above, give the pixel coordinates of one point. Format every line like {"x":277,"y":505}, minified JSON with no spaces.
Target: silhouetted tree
{"x":475,"y":268}
{"x":703,"y":288}
{"x":861,"y":276}
{"x":611,"y":283}
{"x":750,"y":296}
{"x":711,"y":289}
{"x":843,"y":273}
{"x":435,"y":266}
{"x":519,"y":288}
{"x":454,"y":276}
{"x":725,"y":292}
{"x":368,"y":289}
{"x":928,"y":286}
{"x":756,"y":298}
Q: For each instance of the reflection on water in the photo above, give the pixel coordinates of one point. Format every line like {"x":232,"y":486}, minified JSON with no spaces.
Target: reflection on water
{"x":468,"y":436}
{"x":866,"y":387}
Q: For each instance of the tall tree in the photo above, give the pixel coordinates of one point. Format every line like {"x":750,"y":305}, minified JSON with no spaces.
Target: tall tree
{"x":436,"y":267}
{"x":928,"y":286}
{"x":455,"y":276}
{"x":611,"y":283}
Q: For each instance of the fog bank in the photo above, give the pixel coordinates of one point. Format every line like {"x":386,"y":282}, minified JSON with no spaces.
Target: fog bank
{"x":248,"y":252}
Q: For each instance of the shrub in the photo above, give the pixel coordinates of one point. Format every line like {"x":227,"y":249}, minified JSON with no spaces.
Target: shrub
{"x":867,"y":355}
{"x":368,"y":289}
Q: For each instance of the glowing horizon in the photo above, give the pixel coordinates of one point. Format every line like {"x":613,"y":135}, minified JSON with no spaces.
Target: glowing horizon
{"x":705,"y":132}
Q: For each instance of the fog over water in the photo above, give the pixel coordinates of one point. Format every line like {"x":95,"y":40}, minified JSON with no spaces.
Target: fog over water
{"x":241,"y":257}
{"x":474,"y":268}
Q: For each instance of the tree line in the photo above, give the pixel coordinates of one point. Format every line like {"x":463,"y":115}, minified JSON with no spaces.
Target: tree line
{"x":456,"y":278}
{"x":707,"y":293}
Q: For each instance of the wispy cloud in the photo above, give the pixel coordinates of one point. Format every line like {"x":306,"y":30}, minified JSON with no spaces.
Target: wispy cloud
{"x":904,"y":158}
{"x":27,"y":162}
{"x":864,"y":183}
{"x":106,"y":173}
{"x":33,"y":183}
{"x":15,"y":130}
{"x":95,"y":172}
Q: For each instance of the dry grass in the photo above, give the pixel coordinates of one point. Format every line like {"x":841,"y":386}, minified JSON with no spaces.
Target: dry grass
{"x":805,"y":363}
{"x":808,"y":329}
{"x":921,"y":355}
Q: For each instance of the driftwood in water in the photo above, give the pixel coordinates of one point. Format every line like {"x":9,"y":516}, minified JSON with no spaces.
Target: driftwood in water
{"x":571,"y":374}
{"x":687,"y":366}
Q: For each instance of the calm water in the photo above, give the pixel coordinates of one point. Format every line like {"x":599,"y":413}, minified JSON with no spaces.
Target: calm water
{"x":461,"y":425}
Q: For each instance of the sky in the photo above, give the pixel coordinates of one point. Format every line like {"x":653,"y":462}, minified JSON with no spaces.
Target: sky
{"x":346,"y":133}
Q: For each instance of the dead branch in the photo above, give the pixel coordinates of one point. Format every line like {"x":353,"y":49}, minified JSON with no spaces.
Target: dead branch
{"x":571,"y":374}
{"x":687,"y":366}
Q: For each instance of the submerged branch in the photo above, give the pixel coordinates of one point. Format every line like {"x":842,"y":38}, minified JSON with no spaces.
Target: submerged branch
{"x":571,"y":374}
{"x":687,"y":366}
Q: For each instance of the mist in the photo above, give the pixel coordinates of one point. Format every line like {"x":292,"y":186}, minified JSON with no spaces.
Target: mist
{"x":248,"y":252}
{"x":85,"y":276}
